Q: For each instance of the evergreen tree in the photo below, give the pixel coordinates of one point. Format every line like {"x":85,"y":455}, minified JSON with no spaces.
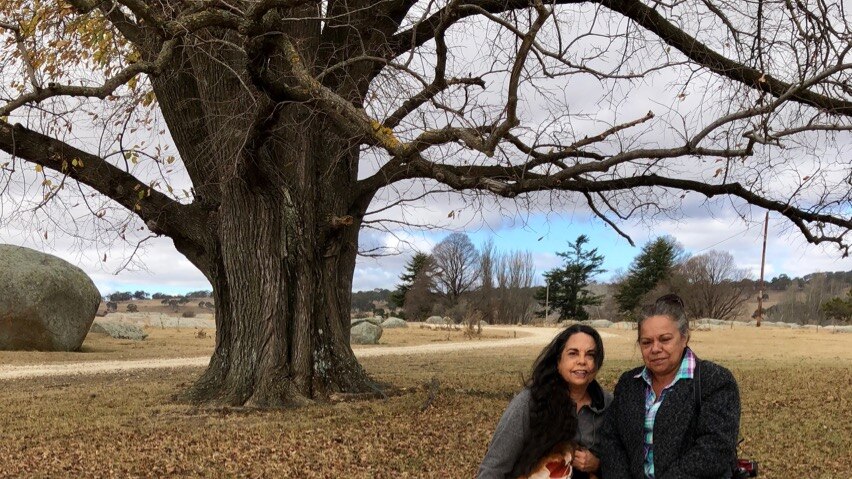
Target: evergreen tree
{"x":839,"y":309}
{"x":654,"y":264}
{"x":568,"y":284}
{"x":417,"y":263}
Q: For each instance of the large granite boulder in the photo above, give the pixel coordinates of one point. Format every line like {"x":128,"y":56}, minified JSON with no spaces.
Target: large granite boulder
{"x":600,"y":323}
{"x":119,"y":330}
{"x":394,"y":323}
{"x":46,"y":303}
{"x":442,"y":320}
{"x":365,"y":332}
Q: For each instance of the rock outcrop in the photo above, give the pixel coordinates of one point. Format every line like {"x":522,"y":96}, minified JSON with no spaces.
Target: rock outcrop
{"x":46,"y":303}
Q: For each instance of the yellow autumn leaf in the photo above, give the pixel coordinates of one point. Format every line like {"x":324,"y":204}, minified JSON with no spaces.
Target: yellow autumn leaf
{"x":149,"y":98}
{"x":38,"y":168}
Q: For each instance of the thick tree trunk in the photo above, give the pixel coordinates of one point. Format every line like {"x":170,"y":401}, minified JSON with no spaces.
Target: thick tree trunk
{"x":281,"y":257}
{"x":278,"y":181}
{"x":282,"y":285}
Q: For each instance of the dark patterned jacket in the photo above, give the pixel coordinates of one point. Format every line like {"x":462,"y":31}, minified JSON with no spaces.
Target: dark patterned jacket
{"x":686,"y":444}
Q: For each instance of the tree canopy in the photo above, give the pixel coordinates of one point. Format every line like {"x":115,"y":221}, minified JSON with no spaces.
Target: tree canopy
{"x":296,"y":123}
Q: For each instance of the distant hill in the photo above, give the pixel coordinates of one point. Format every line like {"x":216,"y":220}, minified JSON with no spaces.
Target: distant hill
{"x":369,"y":300}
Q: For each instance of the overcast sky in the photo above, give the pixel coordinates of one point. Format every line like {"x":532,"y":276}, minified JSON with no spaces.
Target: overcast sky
{"x":541,"y":227}
{"x":787,"y":252}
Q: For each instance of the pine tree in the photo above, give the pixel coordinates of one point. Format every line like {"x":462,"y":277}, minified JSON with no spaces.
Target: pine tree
{"x":417,"y":263}
{"x":651,"y":266}
{"x":568,"y":284}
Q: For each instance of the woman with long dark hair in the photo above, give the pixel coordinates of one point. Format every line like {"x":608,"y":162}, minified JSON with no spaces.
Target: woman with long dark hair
{"x":558,"y":414}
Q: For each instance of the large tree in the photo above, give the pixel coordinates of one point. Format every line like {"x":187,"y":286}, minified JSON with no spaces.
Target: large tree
{"x":457,"y":267}
{"x":567,"y":287}
{"x":712,"y":286}
{"x":291,"y":116}
{"x":653,"y":265}
{"x":419,"y":263}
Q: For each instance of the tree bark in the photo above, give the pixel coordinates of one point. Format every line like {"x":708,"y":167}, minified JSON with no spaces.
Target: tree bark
{"x":282,"y":305}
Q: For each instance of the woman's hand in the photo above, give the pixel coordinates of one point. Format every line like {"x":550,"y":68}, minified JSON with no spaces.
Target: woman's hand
{"x":585,"y":461}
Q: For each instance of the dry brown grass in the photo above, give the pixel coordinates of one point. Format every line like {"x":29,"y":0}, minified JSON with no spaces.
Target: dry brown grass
{"x":160,"y":343}
{"x":796,"y":419}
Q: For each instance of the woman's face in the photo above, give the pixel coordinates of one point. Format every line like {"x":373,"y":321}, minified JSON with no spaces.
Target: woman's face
{"x":577,"y":362}
{"x":662,"y":345}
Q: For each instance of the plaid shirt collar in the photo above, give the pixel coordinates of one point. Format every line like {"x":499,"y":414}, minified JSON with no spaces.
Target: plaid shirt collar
{"x":686,"y":370}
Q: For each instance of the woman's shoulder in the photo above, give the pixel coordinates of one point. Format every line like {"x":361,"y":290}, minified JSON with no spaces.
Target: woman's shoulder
{"x":629,"y":375}
{"x":627,"y":383}
{"x":715,"y":377}
{"x":521,"y":401}
{"x":714,"y":372}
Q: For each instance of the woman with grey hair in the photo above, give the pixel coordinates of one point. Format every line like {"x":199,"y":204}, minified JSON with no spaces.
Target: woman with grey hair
{"x":678,"y":416}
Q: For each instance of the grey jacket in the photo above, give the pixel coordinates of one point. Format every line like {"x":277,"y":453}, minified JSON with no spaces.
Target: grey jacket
{"x":686,"y":444}
{"x":514,"y":429}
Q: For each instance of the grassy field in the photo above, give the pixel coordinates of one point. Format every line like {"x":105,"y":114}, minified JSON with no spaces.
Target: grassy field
{"x":796,"y":388}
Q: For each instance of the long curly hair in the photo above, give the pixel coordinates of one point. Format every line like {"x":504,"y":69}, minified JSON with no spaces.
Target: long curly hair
{"x":552,"y":412}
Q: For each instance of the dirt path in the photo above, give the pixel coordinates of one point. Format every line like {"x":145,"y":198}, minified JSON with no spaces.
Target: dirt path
{"x":532,"y":337}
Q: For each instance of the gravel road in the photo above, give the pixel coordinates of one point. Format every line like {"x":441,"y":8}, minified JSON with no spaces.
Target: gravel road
{"x":532,"y":337}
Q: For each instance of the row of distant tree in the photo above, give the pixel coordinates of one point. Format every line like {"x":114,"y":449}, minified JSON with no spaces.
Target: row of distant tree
{"x":140,"y":295}
{"x":711,"y":285}
{"x":458,"y":280}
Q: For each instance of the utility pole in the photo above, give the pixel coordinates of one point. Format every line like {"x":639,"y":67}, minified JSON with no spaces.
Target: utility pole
{"x":546,"y":298}
{"x":762,"y":265}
